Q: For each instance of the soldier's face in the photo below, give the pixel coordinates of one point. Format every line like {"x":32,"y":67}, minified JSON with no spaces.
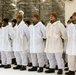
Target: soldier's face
{"x":52,"y":18}
{"x":74,"y":18}
{"x":34,"y":19}
{"x":19,"y":20}
{"x":13,"y":24}
{"x":4,"y":23}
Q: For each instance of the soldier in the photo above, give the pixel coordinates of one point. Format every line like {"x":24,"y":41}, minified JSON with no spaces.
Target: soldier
{"x":37,"y":38}
{"x":71,"y":48}
{"x":55,"y":32}
{"x":20,"y":43}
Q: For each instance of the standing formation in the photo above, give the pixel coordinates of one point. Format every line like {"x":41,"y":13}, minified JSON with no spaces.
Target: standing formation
{"x":37,"y":45}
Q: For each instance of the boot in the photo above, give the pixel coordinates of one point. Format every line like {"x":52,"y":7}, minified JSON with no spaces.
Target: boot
{"x":7,"y":66}
{"x":29,"y":65}
{"x":70,"y":73}
{"x":33,"y":69}
{"x":17,"y":67}
{"x":14,"y":61}
{"x":56,"y":68}
{"x":47,"y":68}
{"x":50,"y":71}
{"x":66,"y":65}
{"x":66,"y":69}
{"x":60,"y":71}
{"x":2,"y":66}
{"x":23,"y":68}
{"x":0,"y":61}
{"x":40,"y":69}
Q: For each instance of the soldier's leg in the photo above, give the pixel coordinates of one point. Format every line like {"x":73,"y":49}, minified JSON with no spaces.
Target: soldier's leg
{"x":18,"y":60}
{"x":60,"y":62}
{"x":24,"y":60}
{"x":34,"y":62}
{"x":52,"y":62}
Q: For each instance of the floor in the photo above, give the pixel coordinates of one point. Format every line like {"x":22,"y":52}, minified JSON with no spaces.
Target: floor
{"x":17,"y":72}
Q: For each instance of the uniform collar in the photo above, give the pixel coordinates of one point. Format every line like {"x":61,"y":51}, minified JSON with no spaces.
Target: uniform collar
{"x":20,"y":23}
{"x":55,"y":23}
{"x":37,"y":24}
{"x":73,"y":25}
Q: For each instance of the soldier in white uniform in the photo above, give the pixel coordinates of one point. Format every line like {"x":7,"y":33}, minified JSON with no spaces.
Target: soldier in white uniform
{"x":28,"y":23}
{"x":13,"y":24}
{"x":20,"y":43}
{"x":6,"y":49}
{"x":37,"y":38}
{"x":0,"y":38}
{"x":71,"y":46}
{"x":55,"y":32}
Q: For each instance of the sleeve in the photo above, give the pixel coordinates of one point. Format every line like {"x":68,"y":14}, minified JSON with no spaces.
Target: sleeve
{"x":64,"y":36}
{"x":63,"y":31}
{"x":43,"y":30}
{"x":26,"y":32}
{"x":11,"y":33}
{"x":47,"y":30}
{"x":67,"y":29}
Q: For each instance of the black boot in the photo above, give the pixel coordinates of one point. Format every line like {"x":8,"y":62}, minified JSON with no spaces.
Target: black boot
{"x":23,"y":68}
{"x":60,"y":71}
{"x":70,"y":73}
{"x":14,"y":61}
{"x":66,"y":69}
{"x":7,"y":66}
{"x":2,"y":66}
{"x":33,"y":69}
{"x":50,"y":71}
{"x":47,"y":68}
{"x":0,"y":61}
{"x":29,"y":65}
{"x":56,"y":68}
{"x":40,"y":69}
{"x":66,"y":65}
{"x":17,"y":67}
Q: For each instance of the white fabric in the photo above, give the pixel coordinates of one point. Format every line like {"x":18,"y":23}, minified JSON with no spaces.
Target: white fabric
{"x":38,"y":59}
{"x":21,"y":37}
{"x":55,"y":57}
{"x":37,"y":33}
{"x":72,"y":62}
{"x":71,"y":45}
{"x":34,"y":59}
{"x":6,"y":57}
{"x":0,"y":37}
{"x":0,"y":41}
{"x":29,"y":57}
{"x":12,"y":54}
{"x":6,"y":37}
{"x":21,"y":58}
{"x":55,"y":33}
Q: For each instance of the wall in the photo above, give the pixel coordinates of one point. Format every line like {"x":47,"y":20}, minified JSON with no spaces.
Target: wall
{"x":70,"y":8}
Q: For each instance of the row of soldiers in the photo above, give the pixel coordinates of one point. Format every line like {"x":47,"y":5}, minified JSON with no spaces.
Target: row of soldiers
{"x":38,"y":44}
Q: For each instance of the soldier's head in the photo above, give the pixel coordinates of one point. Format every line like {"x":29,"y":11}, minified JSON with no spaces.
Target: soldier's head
{"x":53,"y":17}
{"x":35,"y":18}
{"x":14,"y":21}
{"x":5,"y":22}
{"x":70,"y":20}
{"x":74,"y":16}
{"x":27,"y":23}
{"x":19,"y":18}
